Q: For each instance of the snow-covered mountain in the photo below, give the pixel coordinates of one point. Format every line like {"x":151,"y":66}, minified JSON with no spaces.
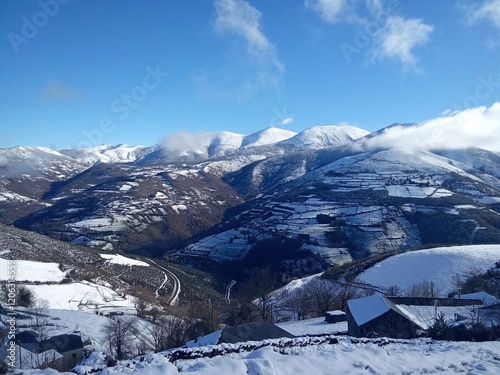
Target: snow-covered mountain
{"x":40,"y":162}
{"x":378,"y":198}
{"x":26,"y":173}
{"x":343,"y":204}
{"x":126,"y":207}
{"x":266,"y":137}
{"x":204,"y":146}
{"x":318,"y":137}
{"x":109,"y":154}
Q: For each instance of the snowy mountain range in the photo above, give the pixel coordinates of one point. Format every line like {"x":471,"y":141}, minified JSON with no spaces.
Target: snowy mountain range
{"x":217,"y":207}
{"x":334,"y":189}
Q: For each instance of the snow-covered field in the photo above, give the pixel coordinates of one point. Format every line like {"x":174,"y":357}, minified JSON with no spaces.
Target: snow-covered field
{"x":120,"y":259}
{"x":81,"y":296}
{"x":33,"y":271}
{"x":440,"y":265}
{"x":303,"y":356}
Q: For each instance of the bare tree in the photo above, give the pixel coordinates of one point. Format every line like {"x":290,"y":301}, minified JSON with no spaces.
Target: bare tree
{"x":323,"y":294}
{"x":424,"y":289}
{"x":298,"y":303}
{"x":261,"y":287}
{"x":168,"y":332}
{"x":140,"y":306}
{"x":119,"y":335}
{"x":38,"y":310}
{"x":393,"y":291}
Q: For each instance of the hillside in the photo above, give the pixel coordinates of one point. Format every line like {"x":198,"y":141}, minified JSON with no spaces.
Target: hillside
{"x":343,"y":205}
{"x":145,"y":210}
{"x":444,"y":266}
{"x":76,"y":268}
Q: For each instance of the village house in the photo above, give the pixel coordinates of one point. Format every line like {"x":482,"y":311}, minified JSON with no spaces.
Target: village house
{"x":254,"y":331}
{"x":61,"y":352}
{"x":405,"y":317}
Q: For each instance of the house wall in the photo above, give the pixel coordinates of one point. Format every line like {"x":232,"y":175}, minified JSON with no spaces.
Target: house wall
{"x":329,"y":318}
{"x":352,"y":326}
{"x":393,"y":325}
{"x":70,"y":359}
{"x":389,"y":324}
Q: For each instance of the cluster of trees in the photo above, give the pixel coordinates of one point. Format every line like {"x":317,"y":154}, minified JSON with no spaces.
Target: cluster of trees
{"x":425,"y":289}
{"x":126,"y":335}
{"x":261,"y":300}
{"x":319,"y":296}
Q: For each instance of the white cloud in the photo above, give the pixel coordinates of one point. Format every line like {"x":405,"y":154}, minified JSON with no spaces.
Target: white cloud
{"x":399,"y":37}
{"x":380,"y":32}
{"x":181,"y":143}
{"x":238,"y":17}
{"x":287,"y":121}
{"x":488,"y":10}
{"x":476,"y":127}
{"x":328,"y":10}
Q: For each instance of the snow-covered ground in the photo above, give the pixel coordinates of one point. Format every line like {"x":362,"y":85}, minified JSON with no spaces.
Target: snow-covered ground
{"x":81,"y":296}
{"x":440,"y":265}
{"x":120,"y":259}
{"x":33,"y":271}
{"x":316,"y":357}
{"x":8,"y":196}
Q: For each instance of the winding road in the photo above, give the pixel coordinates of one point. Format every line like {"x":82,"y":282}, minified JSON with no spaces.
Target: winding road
{"x":228,"y":290}
{"x":174,"y":297}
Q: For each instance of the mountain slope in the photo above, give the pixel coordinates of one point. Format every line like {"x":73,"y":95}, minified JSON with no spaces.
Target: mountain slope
{"x":145,"y":210}
{"x":343,"y":205}
{"x":78,"y":263}
{"x":26,"y":173}
{"x":37,"y":162}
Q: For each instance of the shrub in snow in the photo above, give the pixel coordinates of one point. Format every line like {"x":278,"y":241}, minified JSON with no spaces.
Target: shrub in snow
{"x":440,"y":330}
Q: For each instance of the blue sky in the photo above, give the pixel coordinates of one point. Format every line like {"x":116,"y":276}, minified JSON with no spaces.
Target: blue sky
{"x":80,"y":73}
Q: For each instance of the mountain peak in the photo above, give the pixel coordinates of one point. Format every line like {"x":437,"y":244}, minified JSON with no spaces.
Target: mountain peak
{"x":267,"y":136}
{"x":327,"y":136}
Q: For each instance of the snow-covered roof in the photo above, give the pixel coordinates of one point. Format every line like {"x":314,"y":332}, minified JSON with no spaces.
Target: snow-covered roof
{"x":335,"y":312}
{"x":313,"y":326}
{"x":424,"y":316}
{"x":26,"y":359}
{"x":365,"y":309}
{"x":421,"y":311}
{"x":487,"y":299}
{"x":210,"y":339}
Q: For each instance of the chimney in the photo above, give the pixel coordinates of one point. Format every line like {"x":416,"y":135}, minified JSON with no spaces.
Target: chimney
{"x":459,"y":293}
